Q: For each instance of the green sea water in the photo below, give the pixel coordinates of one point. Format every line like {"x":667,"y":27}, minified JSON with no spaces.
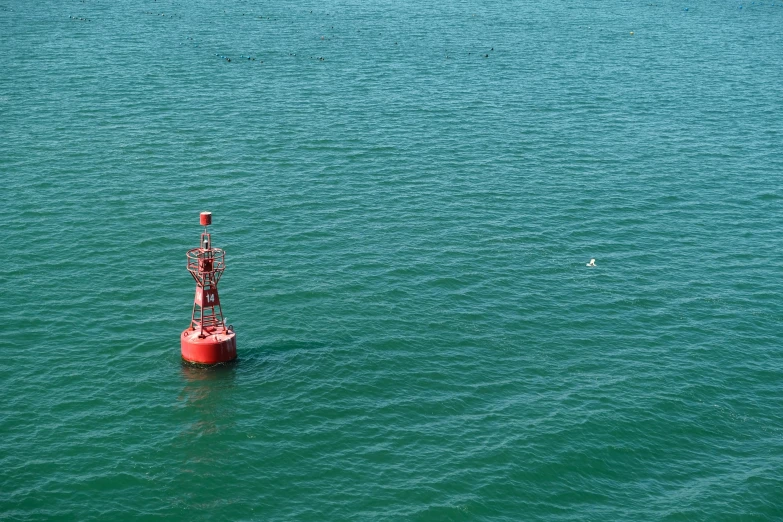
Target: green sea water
{"x":407,"y":193}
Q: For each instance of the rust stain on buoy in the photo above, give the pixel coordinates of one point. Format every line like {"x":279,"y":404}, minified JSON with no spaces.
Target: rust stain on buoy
{"x":208,"y":340}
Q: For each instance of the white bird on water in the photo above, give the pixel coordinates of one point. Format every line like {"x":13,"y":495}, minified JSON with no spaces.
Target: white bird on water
{"x":591,"y":263}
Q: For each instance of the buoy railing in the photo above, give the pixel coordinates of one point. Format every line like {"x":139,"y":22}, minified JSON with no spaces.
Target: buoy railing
{"x":201,"y":260}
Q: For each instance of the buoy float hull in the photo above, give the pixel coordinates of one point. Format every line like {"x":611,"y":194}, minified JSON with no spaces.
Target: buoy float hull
{"x":217,"y":346}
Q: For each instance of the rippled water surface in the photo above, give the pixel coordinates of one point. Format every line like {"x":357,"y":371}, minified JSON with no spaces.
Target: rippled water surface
{"x":408,"y":193}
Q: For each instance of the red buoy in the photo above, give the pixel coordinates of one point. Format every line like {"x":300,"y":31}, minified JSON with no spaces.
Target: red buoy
{"x":208,"y":340}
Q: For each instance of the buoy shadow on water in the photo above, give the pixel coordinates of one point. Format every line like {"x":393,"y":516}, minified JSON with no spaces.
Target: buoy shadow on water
{"x":209,"y":372}
{"x":213,"y":366}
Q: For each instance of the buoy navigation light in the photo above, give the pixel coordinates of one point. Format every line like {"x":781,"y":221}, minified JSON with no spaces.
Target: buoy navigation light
{"x":208,"y":340}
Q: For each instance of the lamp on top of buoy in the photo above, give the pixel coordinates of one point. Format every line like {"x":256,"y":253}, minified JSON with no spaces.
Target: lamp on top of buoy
{"x":208,"y":340}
